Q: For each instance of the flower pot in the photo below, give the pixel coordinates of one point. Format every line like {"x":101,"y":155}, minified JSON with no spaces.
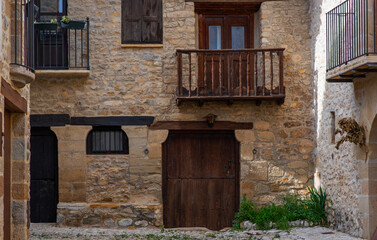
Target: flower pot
{"x":45,"y":26}
{"x":73,"y":24}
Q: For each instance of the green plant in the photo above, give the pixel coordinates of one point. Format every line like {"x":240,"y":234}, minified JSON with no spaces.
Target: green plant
{"x":276,"y":236}
{"x":65,"y":19}
{"x":211,"y":235}
{"x":246,"y":213}
{"x":162,"y":228}
{"x":53,"y":21}
{"x":317,"y":206}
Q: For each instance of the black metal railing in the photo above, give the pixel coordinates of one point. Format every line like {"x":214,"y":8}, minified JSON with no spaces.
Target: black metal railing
{"x":39,"y":45}
{"x":62,"y":48}
{"x":22,"y":38}
{"x":350,"y":32}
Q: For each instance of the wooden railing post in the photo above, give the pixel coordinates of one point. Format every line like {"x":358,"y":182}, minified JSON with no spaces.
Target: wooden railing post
{"x":281,"y":77}
{"x":179,"y":55}
{"x":189,"y":80}
{"x":272,"y":72}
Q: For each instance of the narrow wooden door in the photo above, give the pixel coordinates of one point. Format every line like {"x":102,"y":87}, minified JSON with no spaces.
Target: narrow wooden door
{"x":7,"y":175}
{"x":44,"y":175}
{"x":201,"y":186}
{"x":224,"y":32}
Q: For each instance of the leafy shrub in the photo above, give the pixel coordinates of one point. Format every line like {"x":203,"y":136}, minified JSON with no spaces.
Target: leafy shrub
{"x":293,"y":208}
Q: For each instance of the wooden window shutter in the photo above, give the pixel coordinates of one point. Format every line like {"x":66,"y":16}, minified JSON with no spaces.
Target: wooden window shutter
{"x":151,"y":26}
{"x":131,"y":21}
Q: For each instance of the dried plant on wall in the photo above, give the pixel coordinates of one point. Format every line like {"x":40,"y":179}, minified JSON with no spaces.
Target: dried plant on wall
{"x":352,"y":132}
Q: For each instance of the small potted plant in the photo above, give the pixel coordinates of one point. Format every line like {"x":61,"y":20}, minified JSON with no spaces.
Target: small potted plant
{"x":70,"y":24}
{"x":52,"y":25}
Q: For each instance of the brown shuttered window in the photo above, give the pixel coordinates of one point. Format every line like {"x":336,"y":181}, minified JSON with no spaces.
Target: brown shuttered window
{"x":141,"y":21}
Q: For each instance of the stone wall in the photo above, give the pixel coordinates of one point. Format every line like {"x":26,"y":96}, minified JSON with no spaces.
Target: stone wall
{"x":338,"y":169}
{"x":276,"y":156}
{"x":20,"y":136}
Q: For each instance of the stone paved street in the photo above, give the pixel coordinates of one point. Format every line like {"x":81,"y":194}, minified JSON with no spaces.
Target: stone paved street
{"x":49,"y":231}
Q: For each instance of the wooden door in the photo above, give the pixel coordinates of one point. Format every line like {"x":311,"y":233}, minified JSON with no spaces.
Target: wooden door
{"x":7,"y":175}
{"x":44,"y":175}
{"x":201,"y":179}
{"x":224,"y":32}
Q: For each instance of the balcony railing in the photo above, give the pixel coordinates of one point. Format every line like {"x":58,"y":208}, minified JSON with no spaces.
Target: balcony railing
{"x":242,"y":74}
{"x":351,"y":32}
{"x":40,"y":47}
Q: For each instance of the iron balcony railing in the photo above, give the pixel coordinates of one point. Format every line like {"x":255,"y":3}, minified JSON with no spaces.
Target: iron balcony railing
{"x":38,"y":47}
{"x":351,"y":32}
{"x":242,"y":74}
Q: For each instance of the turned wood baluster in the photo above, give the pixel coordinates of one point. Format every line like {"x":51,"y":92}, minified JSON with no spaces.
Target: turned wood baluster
{"x":281,"y":78}
{"x":264,"y":72}
{"x":190,"y":74}
{"x":205,"y":73}
{"x":220,"y":74}
{"x":229,"y":77}
{"x":240,"y":73}
{"x":197,"y":74}
{"x":256,"y":73}
{"x":213,"y":76}
{"x":248,"y":73}
{"x":179,"y":73}
{"x":272,"y":72}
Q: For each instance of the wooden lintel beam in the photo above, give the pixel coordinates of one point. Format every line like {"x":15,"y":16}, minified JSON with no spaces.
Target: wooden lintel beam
{"x":366,"y":70}
{"x":339,"y":80}
{"x":353,"y":76}
{"x":200,"y":125}
{"x":231,"y":1}
{"x":13,"y":100}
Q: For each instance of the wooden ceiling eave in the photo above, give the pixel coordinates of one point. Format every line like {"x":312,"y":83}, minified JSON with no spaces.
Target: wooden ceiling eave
{"x":226,"y":7}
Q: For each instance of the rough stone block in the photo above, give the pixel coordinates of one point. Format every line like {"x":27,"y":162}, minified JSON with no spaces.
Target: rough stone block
{"x":19,"y":124}
{"x":78,"y":192}
{"x":258,"y":171}
{"x":276,"y":171}
{"x":72,"y":146}
{"x":247,"y":188}
{"x":145,"y":169}
{"x":19,"y":216}
{"x":20,"y":191}
{"x":157,"y":136}
{"x":109,"y":222}
{"x":136,"y":131}
{"x":19,"y":149}
{"x":65,"y":159}
{"x":265,"y":136}
{"x":261,"y":188}
{"x":72,"y":175}
{"x":155,"y":151}
{"x":65,"y":192}
{"x":260,"y":125}
{"x":125,"y":222}
{"x":19,"y":173}
{"x":78,"y":160}
{"x":298,"y":164}
{"x":142,"y":223}
{"x":306,"y":146}
{"x":245,"y":136}
{"x":91,"y":220}
{"x":247,"y":152}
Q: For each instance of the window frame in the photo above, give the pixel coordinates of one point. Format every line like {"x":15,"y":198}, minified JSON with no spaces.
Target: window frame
{"x":89,"y":141}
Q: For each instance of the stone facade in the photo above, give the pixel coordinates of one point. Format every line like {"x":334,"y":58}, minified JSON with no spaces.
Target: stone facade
{"x":347,"y":174}
{"x":20,"y":135}
{"x":276,"y":155}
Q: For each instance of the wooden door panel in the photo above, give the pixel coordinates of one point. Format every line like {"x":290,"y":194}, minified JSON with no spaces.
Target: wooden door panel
{"x":207,"y":197}
{"x":44,"y":175}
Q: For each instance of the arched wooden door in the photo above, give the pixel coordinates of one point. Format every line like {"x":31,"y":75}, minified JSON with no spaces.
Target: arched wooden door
{"x":44,"y":175}
{"x":200,"y":179}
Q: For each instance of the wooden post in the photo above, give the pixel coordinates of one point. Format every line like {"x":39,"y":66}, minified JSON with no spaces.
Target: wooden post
{"x":281,"y":74}
{"x":220,"y":74}
{"x":272,"y":72}
{"x":256,"y":73}
{"x":189,"y":74}
{"x":248,"y":73}
{"x":179,"y":54}
{"x":213,"y":76}
{"x":240,"y":73}
{"x":264,"y":72}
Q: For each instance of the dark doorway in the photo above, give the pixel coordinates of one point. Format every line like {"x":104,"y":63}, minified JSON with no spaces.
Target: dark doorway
{"x":7,"y":176}
{"x":200,"y":179}
{"x":44,"y":175}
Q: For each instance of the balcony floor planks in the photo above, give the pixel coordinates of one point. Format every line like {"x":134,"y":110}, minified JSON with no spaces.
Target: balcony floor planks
{"x":201,"y":99}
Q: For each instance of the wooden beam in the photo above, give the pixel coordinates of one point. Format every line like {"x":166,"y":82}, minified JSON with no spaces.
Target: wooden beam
{"x":339,"y":80}
{"x":231,"y":1}
{"x":113,"y":121}
{"x":202,"y":125}
{"x":13,"y":100}
{"x":49,"y":120}
{"x":352,"y":76}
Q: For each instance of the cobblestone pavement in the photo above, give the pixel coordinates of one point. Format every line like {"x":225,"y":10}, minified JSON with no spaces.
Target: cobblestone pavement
{"x":50,"y":231}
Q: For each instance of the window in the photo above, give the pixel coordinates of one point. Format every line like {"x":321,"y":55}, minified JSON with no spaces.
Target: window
{"x":141,"y":21}
{"x":107,"y":140}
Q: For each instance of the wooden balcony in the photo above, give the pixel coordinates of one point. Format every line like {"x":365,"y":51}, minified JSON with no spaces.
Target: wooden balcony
{"x":230,"y":75}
